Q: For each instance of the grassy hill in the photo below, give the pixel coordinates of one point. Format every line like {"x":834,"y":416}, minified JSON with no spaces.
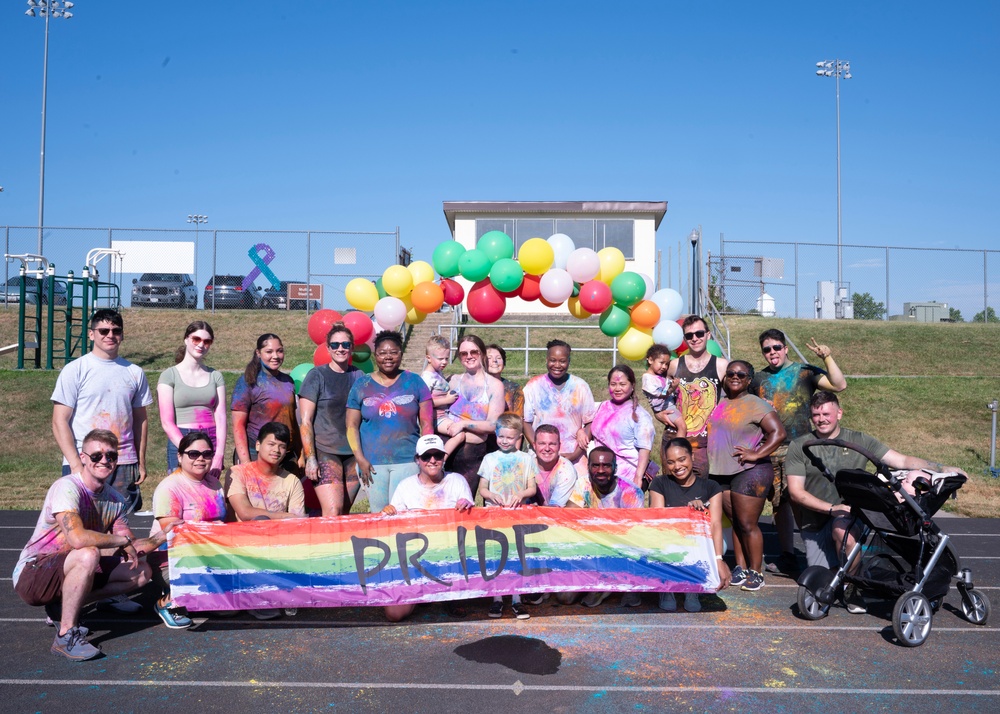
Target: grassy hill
{"x":922,"y":389}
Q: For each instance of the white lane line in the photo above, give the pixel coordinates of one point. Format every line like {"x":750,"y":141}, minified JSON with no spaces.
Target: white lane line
{"x":288,"y":624}
{"x":516,"y":687}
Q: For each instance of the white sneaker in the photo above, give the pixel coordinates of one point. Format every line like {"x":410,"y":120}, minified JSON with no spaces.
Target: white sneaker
{"x":668,"y":602}
{"x":120,"y":603}
{"x":265,"y":614}
{"x":594,"y":599}
{"x":692,"y":602}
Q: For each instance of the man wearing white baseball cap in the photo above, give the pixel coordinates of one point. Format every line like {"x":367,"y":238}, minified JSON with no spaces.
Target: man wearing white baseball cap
{"x":431,"y":489}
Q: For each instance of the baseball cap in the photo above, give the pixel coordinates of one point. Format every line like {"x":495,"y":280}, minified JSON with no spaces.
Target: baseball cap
{"x":429,"y":442}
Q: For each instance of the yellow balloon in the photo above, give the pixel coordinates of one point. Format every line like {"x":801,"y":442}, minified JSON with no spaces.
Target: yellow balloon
{"x":576,"y":310}
{"x":397,"y":281}
{"x":536,"y":256}
{"x":415,"y":317}
{"x":421,"y":271}
{"x":635,"y":342}
{"x":361,"y":294}
{"x":612,"y":264}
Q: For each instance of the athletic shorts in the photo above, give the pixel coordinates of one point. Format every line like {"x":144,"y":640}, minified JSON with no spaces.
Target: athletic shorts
{"x":332,"y":468}
{"x":755,"y":482}
{"x":41,"y":582}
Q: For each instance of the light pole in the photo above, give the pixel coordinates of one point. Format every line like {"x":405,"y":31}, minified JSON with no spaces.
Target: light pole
{"x":837,"y":69}
{"x":695,"y":238}
{"x":198,"y":220}
{"x":46,"y":9}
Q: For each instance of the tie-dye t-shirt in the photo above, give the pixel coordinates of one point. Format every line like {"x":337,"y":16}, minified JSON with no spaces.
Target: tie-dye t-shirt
{"x":556,"y":486}
{"x":271,"y":399}
{"x":101,"y":511}
{"x":789,"y":390}
{"x":281,"y":493}
{"x":614,"y":427}
{"x":657,"y":391}
{"x":390,"y":416}
{"x":411,"y":495}
{"x":179,"y":496}
{"x":567,"y":407}
{"x":506,"y":474}
{"x":513,"y":397}
{"x":735,"y":423}
{"x":623,"y":495}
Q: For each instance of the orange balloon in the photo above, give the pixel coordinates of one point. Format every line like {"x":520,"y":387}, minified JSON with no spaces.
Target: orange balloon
{"x":427,"y":297}
{"x":646,"y":313}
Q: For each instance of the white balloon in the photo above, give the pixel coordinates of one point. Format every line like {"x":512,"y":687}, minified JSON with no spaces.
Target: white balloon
{"x":562,"y":246}
{"x":556,"y":285}
{"x":583,"y":265}
{"x":649,"y":285}
{"x":668,"y":333}
{"x":670,"y":302}
{"x":390,"y":312}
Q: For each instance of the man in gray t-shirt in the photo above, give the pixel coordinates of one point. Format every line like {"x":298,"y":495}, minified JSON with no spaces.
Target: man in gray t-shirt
{"x":823,"y":518}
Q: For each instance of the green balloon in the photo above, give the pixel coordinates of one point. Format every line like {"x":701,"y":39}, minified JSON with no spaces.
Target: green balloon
{"x":506,"y":275}
{"x":365,"y":366}
{"x":381,"y":291}
{"x":576,"y":289}
{"x":474,"y":265}
{"x":614,"y":321}
{"x":714,"y":348}
{"x":628,"y":288}
{"x":361,"y":353}
{"x":299,"y":374}
{"x":446,"y":257}
{"x":497,"y":245}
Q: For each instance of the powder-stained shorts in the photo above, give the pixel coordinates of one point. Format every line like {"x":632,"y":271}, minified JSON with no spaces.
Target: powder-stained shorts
{"x":41,"y":581}
{"x":755,"y":482}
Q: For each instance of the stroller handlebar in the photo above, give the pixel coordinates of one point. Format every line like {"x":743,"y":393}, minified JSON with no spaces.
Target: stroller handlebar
{"x":879,"y":466}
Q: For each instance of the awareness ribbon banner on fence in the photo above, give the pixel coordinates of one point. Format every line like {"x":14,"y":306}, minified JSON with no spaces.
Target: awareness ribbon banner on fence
{"x":430,"y":556}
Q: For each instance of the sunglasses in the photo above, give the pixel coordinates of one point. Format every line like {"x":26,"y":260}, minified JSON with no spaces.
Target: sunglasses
{"x":471,"y":353}
{"x":738,"y":375}
{"x":341,"y":345}
{"x":95,"y":458}
{"x":696,"y":334}
{"x":436,"y":456}
{"x":105,"y":331}
{"x":772,"y":348}
{"x":195,"y":455}
{"x":207,"y":341}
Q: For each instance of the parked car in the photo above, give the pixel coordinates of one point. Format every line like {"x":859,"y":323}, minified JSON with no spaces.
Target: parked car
{"x":278,"y":299}
{"x":12,"y":292}
{"x":164,"y":290}
{"x":226,"y":291}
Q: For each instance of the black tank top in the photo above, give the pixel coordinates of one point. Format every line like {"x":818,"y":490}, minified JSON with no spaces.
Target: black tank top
{"x":698,"y":394}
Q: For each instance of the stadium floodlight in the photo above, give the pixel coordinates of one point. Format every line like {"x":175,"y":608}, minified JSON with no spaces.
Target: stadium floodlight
{"x":837,"y":68}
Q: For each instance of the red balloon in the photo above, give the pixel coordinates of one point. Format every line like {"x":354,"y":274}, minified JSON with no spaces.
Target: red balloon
{"x":485,"y":304}
{"x":595,"y":296}
{"x":360,"y":326}
{"x":530,"y":289}
{"x":549,"y":304}
{"x":320,"y":323}
{"x":321,"y":356}
{"x":683,"y":349}
{"x":454,"y":293}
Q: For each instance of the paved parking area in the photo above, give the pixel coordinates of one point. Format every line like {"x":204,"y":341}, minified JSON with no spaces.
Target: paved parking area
{"x":744,"y":652}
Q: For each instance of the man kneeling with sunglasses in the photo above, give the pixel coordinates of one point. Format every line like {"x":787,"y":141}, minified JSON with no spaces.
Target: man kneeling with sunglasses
{"x":82,"y":549}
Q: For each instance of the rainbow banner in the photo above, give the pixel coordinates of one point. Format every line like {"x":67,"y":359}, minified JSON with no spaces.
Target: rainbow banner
{"x":430,"y":556}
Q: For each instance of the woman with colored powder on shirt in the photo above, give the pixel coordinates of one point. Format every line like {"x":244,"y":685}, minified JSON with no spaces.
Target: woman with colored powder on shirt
{"x":192,"y":396}
{"x":624,"y":427}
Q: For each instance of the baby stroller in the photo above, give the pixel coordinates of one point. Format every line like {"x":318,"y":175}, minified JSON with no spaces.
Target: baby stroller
{"x":903,"y":554}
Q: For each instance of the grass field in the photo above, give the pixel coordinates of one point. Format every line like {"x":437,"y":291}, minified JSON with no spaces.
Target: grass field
{"x":921,"y":389}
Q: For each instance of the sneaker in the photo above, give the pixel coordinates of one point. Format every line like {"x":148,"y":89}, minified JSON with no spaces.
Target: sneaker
{"x":291,"y":611}
{"x":266,"y":614}
{"x":692,"y":602}
{"x":594,"y":599}
{"x":172,"y":617}
{"x":120,"y":603}
{"x":74,"y":645}
{"x":536,"y":599}
{"x":520,"y":612}
{"x":786,"y":563}
{"x":754,"y":581}
{"x":668,"y":602}
{"x":496,"y":610}
{"x":55,"y":623}
{"x":631,"y":600}
{"x":853,"y":601}
{"x":739,"y":576}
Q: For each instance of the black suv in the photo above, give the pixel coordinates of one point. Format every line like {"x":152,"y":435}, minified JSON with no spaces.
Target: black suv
{"x":227,"y":291}
{"x":164,"y":290}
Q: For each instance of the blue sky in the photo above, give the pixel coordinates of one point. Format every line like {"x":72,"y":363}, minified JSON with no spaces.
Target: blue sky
{"x":365,"y":116}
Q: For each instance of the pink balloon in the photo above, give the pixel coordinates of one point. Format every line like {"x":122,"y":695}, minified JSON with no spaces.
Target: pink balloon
{"x":556,"y":286}
{"x":583,"y":264}
{"x":390,"y":312}
{"x":595,"y":296}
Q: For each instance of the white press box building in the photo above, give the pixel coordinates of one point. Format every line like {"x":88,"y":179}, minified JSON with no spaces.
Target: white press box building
{"x":629,"y":226}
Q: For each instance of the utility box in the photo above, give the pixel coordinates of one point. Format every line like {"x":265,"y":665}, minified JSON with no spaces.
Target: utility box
{"x":927,"y":311}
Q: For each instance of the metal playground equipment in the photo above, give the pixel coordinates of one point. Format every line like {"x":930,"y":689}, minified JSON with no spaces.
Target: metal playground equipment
{"x":53,"y":310}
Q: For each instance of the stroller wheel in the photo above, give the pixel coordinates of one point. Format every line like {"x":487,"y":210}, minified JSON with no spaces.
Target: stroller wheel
{"x":809,"y":607}
{"x":975,"y":607}
{"x":911,"y":619}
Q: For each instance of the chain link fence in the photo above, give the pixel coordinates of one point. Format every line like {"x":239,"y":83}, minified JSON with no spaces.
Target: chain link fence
{"x":259,"y":261}
{"x":786,"y":279}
